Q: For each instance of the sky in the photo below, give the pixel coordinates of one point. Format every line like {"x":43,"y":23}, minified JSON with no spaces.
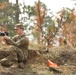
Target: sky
{"x":54,"y":5}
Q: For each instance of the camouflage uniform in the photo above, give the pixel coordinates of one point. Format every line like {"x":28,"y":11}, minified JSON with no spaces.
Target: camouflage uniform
{"x":19,"y":46}
{"x":18,"y":49}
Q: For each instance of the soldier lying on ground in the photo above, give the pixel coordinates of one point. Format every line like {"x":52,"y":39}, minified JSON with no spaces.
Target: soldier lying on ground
{"x":17,"y":49}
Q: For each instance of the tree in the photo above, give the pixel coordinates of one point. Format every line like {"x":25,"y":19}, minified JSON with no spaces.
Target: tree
{"x":7,"y":14}
{"x":68,"y":26}
{"x":40,"y":13}
{"x":17,"y":12}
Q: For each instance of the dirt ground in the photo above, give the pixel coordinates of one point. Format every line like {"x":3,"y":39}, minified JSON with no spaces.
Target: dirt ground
{"x":65,"y":57}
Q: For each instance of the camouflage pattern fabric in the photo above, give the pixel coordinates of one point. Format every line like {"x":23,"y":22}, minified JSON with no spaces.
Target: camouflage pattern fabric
{"x":18,"y":48}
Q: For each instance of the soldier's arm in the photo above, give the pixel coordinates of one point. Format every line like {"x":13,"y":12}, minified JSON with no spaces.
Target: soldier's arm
{"x":20,"y":42}
{"x":9,"y":40}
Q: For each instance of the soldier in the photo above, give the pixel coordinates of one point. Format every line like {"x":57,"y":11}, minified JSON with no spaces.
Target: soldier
{"x":18,"y":47}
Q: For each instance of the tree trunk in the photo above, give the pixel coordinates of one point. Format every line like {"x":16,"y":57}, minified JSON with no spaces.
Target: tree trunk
{"x":17,"y":12}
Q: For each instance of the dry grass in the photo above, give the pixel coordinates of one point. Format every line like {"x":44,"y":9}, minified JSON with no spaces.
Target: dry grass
{"x":37,"y":64}
{"x":35,"y":46}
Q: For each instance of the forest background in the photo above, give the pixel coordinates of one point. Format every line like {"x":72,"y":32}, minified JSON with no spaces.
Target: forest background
{"x":39,"y":21}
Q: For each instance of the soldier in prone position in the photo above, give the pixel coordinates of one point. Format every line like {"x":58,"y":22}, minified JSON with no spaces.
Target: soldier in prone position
{"x":18,"y":48}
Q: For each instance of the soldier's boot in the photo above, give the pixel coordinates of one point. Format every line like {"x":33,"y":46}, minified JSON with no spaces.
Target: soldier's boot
{"x":21,"y":65}
{"x":15,"y":64}
{"x":18,"y":65}
{"x":5,"y":62}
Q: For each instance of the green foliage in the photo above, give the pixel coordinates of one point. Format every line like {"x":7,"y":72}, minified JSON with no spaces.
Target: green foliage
{"x":29,"y":10}
{"x":7,"y":16}
{"x":11,"y":30}
{"x":4,"y":0}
